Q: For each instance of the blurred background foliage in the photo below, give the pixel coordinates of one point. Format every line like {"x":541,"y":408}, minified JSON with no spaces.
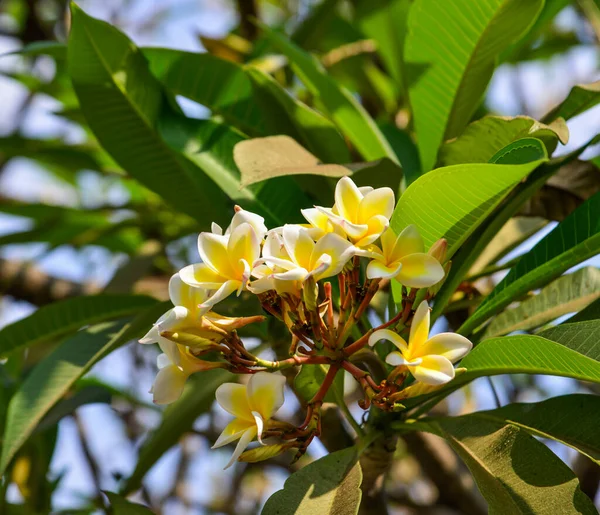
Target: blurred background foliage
{"x":74,"y":223}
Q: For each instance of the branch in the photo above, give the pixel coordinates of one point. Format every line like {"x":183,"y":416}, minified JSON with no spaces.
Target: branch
{"x":25,"y":281}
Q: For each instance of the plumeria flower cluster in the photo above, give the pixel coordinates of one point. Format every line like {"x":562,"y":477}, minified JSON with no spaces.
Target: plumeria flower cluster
{"x":291,"y":270}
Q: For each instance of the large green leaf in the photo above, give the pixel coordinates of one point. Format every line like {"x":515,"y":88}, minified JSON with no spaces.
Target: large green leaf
{"x":450,"y":54}
{"x":581,"y":98}
{"x":61,"y":318}
{"x":347,"y":113}
{"x":210,"y":145}
{"x":583,"y":337}
{"x":528,"y":354}
{"x":330,"y":485}
{"x":569,"y":419}
{"x":451,"y":202}
{"x":592,"y":312}
{"x":567,"y":294}
{"x":122,"y":103}
{"x":515,"y":473}
{"x":178,"y":419}
{"x":241,"y":96}
{"x":220,"y":85}
{"x":306,"y":125}
{"x":52,"y":377}
{"x":480,"y":141}
{"x":573,"y":240}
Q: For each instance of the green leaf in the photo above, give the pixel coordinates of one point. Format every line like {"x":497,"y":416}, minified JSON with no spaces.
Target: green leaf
{"x":450,"y":54}
{"x":581,"y":98}
{"x":567,"y":294}
{"x":52,"y":377}
{"x":262,"y":159}
{"x":385,"y":22}
{"x":347,"y":113}
{"x":319,"y":135}
{"x":330,"y":485}
{"x":592,"y":312}
{"x":524,"y":150}
{"x":220,"y":85}
{"x":570,"y":419}
{"x":515,"y":473}
{"x":51,"y":48}
{"x":210,"y":145}
{"x":567,"y":352}
{"x":482,"y":139}
{"x":121,"y":506}
{"x":311,"y":377}
{"x":573,"y":240}
{"x":451,"y":202}
{"x":528,"y":354}
{"x":178,"y":419}
{"x":582,"y":337}
{"x":122,"y":103}
{"x":66,"y":316}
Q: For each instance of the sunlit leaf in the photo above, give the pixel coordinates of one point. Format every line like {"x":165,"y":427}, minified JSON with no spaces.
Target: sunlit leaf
{"x":568,"y":294}
{"x":330,"y":485}
{"x":570,"y":242}
{"x":515,"y":473}
{"x":450,"y":53}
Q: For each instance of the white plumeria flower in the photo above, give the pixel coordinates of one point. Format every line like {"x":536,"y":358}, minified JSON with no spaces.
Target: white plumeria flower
{"x":226,"y":262}
{"x":319,"y":223}
{"x":265,"y":273}
{"x":428,"y":359}
{"x":404,"y":258}
{"x":252,"y":405}
{"x":176,"y":363}
{"x":322,"y":259}
{"x":362,"y":213}
{"x":240,"y":217}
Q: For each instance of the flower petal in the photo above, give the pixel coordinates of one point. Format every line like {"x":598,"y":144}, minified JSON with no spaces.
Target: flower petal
{"x":347,"y":199}
{"x":260,"y":424}
{"x":298,"y":243}
{"x":168,"y":385}
{"x":265,"y":393}
{"x":171,"y":351}
{"x":451,"y":346}
{"x":386,"y":334}
{"x":376,"y":226}
{"x":245,"y":440}
{"x":213,"y":251}
{"x":243,"y":245}
{"x":433,"y":370}
{"x":232,"y":432}
{"x":419,"y":329}
{"x":226,"y":289}
{"x":242,"y":216}
{"x":379,"y":202}
{"x":200,"y":275}
{"x":377,"y":270}
{"x":215,"y":228}
{"x":296,"y":274}
{"x":420,"y":271}
{"x":339,"y":249}
{"x":396,"y":359}
{"x":182,"y":294}
{"x":233,"y":398}
{"x":408,"y":242}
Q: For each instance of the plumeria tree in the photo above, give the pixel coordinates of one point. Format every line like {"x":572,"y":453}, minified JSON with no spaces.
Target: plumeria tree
{"x":374,"y":244}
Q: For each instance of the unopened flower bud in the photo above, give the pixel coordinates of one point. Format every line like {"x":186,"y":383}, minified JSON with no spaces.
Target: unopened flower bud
{"x":433,"y":290}
{"x":189,"y":339}
{"x":439,"y":250}
{"x":232,"y":323}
